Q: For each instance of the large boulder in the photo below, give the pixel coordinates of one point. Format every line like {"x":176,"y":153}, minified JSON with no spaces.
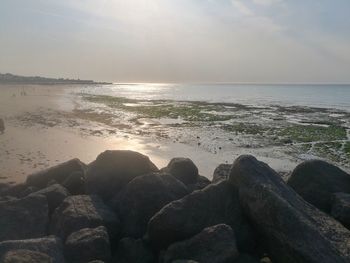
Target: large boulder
{"x":221,"y":172}
{"x":184,"y":218}
{"x":55,"y":195}
{"x":341,"y":208}
{"x":183,"y":169}
{"x":29,"y":250}
{"x":112,"y":170}
{"x":75,"y":183}
{"x":142,"y":198}
{"x":133,"y":251}
{"x":316,"y":181}
{"x":24,"y":218}
{"x":292,"y":230}
{"x":57,"y":173}
{"x":215,"y":244}
{"x":83,"y":211}
{"x":88,"y":244}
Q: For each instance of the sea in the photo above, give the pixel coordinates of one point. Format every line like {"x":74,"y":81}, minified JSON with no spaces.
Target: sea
{"x":330,"y":96}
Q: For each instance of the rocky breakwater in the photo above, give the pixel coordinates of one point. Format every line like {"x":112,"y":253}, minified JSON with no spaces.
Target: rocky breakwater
{"x":122,"y":209}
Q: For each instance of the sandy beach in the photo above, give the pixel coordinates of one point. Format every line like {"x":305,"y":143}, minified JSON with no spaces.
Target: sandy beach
{"x":41,"y":131}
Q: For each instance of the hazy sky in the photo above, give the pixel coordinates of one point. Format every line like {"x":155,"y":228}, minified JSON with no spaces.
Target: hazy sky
{"x":177,"y":40}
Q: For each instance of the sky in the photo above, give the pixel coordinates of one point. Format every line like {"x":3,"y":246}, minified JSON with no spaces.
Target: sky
{"x":262,"y":41}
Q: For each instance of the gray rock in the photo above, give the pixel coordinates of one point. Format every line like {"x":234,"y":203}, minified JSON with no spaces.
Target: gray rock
{"x":142,"y":198}
{"x":215,"y":244}
{"x":245,"y":258}
{"x":291,"y":229}
{"x":341,"y":208}
{"x":112,"y":170}
{"x":75,"y":183}
{"x":58,"y":173}
{"x":184,"y":218}
{"x":83,"y":211}
{"x":133,"y":251}
{"x":201,"y":183}
{"x":317,"y":180}
{"x":55,"y":195}
{"x":30,"y":249}
{"x":183,"y":169}
{"x":184,"y":261}
{"x":23,"y":218}
{"x":25,"y":256}
{"x":2,"y":126}
{"x":221,"y":172}
{"x":88,"y":244}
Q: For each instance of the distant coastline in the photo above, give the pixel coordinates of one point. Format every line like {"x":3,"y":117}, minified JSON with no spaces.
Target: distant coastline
{"x":8,"y":78}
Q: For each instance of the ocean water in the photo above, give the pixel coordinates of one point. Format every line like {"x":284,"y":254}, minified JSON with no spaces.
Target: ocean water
{"x":323,"y":96}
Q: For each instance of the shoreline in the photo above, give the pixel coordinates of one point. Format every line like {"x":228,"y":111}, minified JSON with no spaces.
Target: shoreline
{"x":44,"y":115}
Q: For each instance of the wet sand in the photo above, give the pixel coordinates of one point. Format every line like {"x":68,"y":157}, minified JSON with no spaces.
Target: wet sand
{"x":43,"y":129}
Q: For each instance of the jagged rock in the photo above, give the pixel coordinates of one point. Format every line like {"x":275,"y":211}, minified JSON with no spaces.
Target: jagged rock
{"x":215,"y":244}
{"x":341,"y":208}
{"x":317,"y":180}
{"x":143,"y":197}
{"x":88,"y":244}
{"x":15,"y":190}
{"x":23,"y":218}
{"x":83,"y":211}
{"x":221,"y":172}
{"x":75,"y":183}
{"x":201,"y":183}
{"x":31,"y":249}
{"x":291,"y":229}
{"x":133,"y":251}
{"x":55,"y":195}
{"x":25,"y":256}
{"x":183,"y":169}
{"x":184,"y":218}
{"x":112,"y":170}
{"x":58,"y":173}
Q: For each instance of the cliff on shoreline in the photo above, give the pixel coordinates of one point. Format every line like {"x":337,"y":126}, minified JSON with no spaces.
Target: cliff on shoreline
{"x":8,"y":78}
{"x":122,"y":208}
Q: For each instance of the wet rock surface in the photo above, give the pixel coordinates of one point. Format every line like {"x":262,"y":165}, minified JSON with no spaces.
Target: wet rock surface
{"x":341,"y":208}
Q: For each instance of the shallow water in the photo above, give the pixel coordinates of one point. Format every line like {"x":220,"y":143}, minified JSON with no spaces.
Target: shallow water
{"x":325,"y":96}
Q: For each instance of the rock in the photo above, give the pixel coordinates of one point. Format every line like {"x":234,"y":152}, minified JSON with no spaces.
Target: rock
{"x":184,"y":261}
{"x":23,"y":218}
{"x":341,"y":208}
{"x":215,"y":244}
{"x":55,"y":195}
{"x":245,"y":258}
{"x":183,"y":169}
{"x":201,"y":183}
{"x":25,"y":256}
{"x":142,"y":198}
{"x":290,"y":228}
{"x":184,"y":218}
{"x":16,"y":190}
{"x":75,"y":183}
{"x":317,"y":180}
{"x":83,"y":211}
{"x":58,"y":173}
{"x":221,"y":172}
{"x":29,"y":250}
{"x":112,"y":170}
{"x":134,"y":251}
{"x":88,"y":244}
